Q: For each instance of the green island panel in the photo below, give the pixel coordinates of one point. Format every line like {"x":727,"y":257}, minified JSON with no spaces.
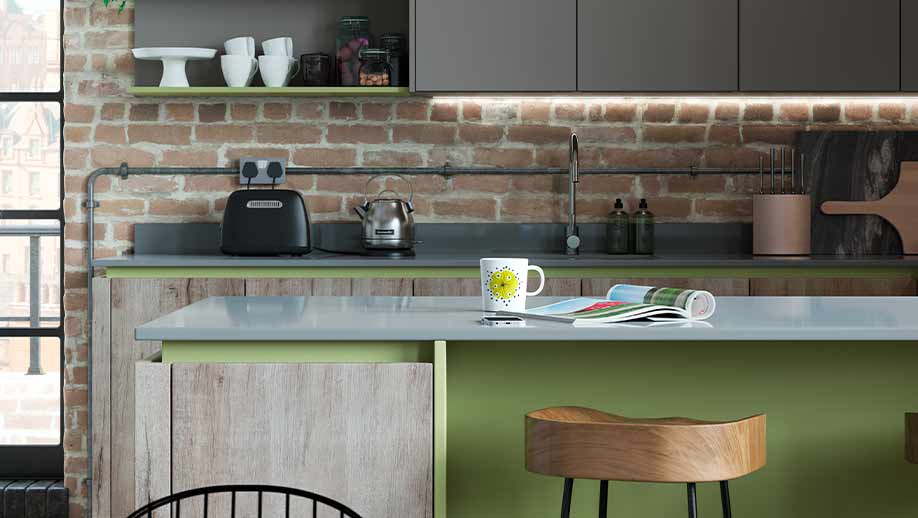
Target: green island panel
{"x":835,"y":423}
{"x":127,"y":272}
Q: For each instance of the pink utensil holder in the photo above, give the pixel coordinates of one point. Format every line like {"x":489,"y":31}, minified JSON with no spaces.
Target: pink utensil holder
{"x":781,"y":224}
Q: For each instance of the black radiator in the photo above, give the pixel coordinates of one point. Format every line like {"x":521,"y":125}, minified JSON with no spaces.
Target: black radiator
{"x":33,"y":499}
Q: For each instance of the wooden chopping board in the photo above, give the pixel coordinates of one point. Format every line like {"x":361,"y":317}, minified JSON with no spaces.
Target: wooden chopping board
{"x":899,"y":207}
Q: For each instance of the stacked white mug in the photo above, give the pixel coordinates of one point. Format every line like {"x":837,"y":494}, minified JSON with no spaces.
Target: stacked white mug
{"x":239,"y":64}
{"x":278,"y":66}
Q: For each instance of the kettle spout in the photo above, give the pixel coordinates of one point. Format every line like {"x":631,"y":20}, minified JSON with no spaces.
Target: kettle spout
{"x":361,"y":211}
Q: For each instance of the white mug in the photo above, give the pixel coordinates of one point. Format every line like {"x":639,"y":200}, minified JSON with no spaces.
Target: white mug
{"x":238,"y":71}
{"x":277,"y":71}
{"x":278,"y":46}
{"x":503,"y":284}
{"x":241,"y":46}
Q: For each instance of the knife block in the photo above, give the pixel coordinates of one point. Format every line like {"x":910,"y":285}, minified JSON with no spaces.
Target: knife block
{"x":781,"y":224}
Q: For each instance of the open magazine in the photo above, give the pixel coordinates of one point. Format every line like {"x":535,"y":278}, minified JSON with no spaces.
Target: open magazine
{"x":627,"y":302}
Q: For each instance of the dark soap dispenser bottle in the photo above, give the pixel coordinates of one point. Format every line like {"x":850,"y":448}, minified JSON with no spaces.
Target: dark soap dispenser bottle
{"x":643,"y":229}
{"x":618,"y":230}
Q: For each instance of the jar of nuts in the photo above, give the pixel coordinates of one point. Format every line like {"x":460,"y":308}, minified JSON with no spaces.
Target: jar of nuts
{"x":374,"y":67}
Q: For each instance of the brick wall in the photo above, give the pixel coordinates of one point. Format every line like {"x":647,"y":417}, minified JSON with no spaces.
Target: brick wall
{"x":105,"y":126}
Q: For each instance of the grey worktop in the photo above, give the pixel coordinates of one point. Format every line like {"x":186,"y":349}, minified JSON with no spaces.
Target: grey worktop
{"x":456,"y":318}
{"x":466,"y":259}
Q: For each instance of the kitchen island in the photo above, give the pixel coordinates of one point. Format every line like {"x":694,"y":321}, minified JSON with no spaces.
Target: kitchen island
{"x":834,"y":375}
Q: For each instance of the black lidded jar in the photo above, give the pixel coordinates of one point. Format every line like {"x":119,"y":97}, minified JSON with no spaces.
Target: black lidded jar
{"x":316,"y":69}
{"x":397,"y":45}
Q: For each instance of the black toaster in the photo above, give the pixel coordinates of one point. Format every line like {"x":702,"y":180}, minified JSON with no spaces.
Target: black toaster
{"x":265,"y":222}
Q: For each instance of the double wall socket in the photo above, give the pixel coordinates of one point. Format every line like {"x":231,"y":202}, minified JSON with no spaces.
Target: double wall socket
{"x":266,"y":168}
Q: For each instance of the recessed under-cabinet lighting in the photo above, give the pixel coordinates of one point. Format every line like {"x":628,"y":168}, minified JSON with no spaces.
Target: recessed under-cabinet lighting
{"x":692,"y":99}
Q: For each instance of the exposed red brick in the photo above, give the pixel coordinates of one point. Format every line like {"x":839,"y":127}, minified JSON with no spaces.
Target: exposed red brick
{"x":159,"y":184}
{"x":167,"y":207}
{"x":659,"y":112}
{"x":113,"y":111}
{"x":769,"y":134}
{"x":345,"y":111}
{"x":826,"y":112}
{"x":208,"y":113}
{"x":349,"y":183}
{"x":535,"y":111}
{"x":310,"y":110}
{"x":730,"y":208}
{"x":376,"y":111}
{"x":278,"y":111}
{"x":480,"y":134}
{"x":190,"y":158}
{"x":325,"y":157}
{"x":472,"y":208}
{"x":727,"y":111}
{"x":724,"y":134}
{"x":533,"y":134}
{"x":288,"y":133}
{"x":694,"y":113}
{"x":795,"y":112}
{"x":424,"y":133}
{"x":892,"y":112}
{"x":77,"y":134}
{"x":233,"y":154}
{"x":323,"y":203}
{"x":605,"y":184}
{"x":672,"y":209}
{"x":503,"y":157}
{"x":79,"y":112}
{"x":110,"y":156}
{"x":620,"y":112}
{"x":180,"y":112}
{"x":606,"y":134}
{"x":674,"y":134}
{"x":159,"y":134}
{"x":534,"y":183}
{"x":126,"y":207}
{"x":211,"y":183}
{"x":759,"y":112}
{"x":391,"y":159}
{"x":738,"y":157}
{"x":471,"y":111}
{"x":144,"y":112}
{"x":243,"y":112}
{"x":357,"y":134}
{"x":411,"y":111}
{"x":444,"y":112}
{"x":110,"y":134}
{"x":570,"y":111}
{"x":223,"y":133}
{"x":481,"y":183}
{"x":525,"y":208}
{"x":858,"y":112}
{"x":667,"y":157}
{"x":697,"y":184}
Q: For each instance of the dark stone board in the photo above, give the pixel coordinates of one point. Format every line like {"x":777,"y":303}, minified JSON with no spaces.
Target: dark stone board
{"x":854,"y":166}
{"x":313,"y":25}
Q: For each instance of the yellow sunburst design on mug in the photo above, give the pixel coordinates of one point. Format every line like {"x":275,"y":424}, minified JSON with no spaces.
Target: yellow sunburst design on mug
{"x":503,"y":284}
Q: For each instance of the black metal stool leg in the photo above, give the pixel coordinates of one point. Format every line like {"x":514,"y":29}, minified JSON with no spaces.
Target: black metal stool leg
{"x":603,"y":498}
{"x":725,"y":498}
{"x":566,"y":499}
{"x":692,"y":501}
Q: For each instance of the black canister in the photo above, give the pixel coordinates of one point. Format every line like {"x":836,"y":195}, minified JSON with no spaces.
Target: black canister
{"x":397,"y":45}
{"x":316,"y":69}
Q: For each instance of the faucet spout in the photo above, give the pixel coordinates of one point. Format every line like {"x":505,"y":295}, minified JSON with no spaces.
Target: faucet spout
{"x":572,"y":235}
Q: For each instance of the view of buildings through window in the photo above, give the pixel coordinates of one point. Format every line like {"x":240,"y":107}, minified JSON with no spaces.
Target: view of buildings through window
{"x":30,"y":246}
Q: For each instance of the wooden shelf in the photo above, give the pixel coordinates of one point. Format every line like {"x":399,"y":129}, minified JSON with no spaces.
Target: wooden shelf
{"x":263,"y":91}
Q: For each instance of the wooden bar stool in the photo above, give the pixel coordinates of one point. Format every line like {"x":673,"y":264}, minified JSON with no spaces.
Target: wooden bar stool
{"x":577,"y":442}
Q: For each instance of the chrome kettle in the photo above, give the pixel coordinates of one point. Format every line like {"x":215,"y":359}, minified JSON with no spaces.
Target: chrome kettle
{"x":387,"y":221}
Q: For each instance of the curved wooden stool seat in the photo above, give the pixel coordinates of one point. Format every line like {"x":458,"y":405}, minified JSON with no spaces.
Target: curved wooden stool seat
{"x":577,"y":442}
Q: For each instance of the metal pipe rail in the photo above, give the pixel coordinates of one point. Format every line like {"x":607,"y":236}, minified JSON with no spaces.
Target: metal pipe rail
{"x":124,"y":171}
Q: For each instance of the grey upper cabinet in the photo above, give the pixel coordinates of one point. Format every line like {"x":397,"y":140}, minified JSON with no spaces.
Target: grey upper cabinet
{"x":657,"y":45}
{"x":495,"y":46}
{"x":819,"y":45}
{"x":909,"y":45}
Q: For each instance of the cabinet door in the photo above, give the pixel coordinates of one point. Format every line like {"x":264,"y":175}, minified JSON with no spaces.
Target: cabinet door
{"x":909,"y":46}
{"x":892,"y":287}
{"x":494,"y":46}
{"x":819,"y":45}
{"x":719,"y":287}
{"x":657,"y":45}
{"x":133,"y":302}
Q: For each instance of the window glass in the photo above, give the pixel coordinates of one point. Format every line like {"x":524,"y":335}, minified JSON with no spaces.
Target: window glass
{"x":30,"y":36}
{"x":30,"y":377}
{"x":29,"y":274}
{"x":29,"y":155}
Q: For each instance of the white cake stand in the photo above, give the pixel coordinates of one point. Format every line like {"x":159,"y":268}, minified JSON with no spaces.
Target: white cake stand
{"x":174,"y":59}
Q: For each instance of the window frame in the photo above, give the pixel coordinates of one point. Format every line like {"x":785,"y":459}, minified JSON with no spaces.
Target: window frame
{"x":41,"y":461}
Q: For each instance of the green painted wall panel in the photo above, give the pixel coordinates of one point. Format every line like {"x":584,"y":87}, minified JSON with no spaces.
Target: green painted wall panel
{"x":835,"y":423}
{"x":472,"y":273}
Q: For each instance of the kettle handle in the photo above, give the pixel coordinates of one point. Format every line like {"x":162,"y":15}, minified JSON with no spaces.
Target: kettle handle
{"x":366,"y":188}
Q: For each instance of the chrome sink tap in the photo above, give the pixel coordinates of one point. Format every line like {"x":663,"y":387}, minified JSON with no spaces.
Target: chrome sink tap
{"x":572,"y":236}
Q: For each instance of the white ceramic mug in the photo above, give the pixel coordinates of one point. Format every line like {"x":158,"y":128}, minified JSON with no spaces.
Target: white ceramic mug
{"x":277,"y":71}
{"x":241,"y":46}
{"x":503,"y":283}
{"x":282,"y":46}
{"x":238,"y":71}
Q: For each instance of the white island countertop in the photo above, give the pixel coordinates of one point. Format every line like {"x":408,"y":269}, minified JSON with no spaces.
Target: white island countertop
{"x":457,"y":318}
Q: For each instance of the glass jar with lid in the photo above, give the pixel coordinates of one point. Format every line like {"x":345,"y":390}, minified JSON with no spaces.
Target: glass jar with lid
{"x":397,"y":45}
{"x":353,"y":36}
{"x":374,"y":67}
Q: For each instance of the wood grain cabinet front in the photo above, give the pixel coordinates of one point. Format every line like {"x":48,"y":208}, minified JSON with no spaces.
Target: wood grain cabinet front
{"x":359,"y":433}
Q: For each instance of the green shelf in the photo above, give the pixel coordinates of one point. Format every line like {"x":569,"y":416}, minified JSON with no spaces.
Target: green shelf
{"x":263,"y":91}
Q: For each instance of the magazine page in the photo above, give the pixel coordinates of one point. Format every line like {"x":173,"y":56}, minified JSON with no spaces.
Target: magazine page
{"x":601,"y":311}
{"x":698,"y":304}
